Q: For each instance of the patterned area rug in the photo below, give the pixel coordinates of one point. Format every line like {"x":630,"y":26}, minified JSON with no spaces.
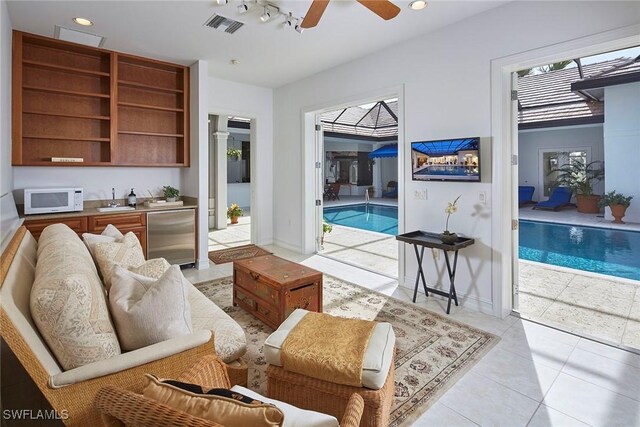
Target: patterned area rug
{"x":241,"y":252}
{"x":433,"y":351}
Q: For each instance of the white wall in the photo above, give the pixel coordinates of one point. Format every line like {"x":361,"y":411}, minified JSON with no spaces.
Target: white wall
{"x":239,"y":193}
{"x":226,"y":97}
{"x":388,"y":171}
{"x":622,"y":144}
{"x":97,"y":181}
{"x":6,"y":171}
{"x":530,"y":142}
{"x":446,"y":81}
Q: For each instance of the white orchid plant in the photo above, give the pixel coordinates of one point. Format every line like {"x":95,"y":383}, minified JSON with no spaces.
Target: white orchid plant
{"x":452,"y":207}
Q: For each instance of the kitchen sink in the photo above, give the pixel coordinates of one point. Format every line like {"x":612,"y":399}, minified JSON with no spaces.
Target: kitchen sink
{"x":116,"y":209}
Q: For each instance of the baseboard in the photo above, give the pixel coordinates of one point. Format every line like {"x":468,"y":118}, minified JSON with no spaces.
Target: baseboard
{"x":202,"y":264}
{"x":467,"y":301}
{"x":287,"y":246}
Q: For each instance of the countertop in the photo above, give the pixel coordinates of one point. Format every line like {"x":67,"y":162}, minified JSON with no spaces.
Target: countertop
{"x":90,"y":209}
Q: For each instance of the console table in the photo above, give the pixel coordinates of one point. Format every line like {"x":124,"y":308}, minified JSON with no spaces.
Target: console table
{"x":425,"y":239}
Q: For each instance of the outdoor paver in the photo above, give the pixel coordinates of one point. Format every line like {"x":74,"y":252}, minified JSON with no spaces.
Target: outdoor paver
{"x":605,"y":309}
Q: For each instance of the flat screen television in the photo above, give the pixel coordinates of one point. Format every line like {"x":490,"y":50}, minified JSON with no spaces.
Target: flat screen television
{"x":446,"y":160}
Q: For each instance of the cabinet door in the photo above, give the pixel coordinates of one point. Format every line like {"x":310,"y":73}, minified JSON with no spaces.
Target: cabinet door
{"x":123,"y":222}
{"x":141,"y":234}
{"x":36,"y":226}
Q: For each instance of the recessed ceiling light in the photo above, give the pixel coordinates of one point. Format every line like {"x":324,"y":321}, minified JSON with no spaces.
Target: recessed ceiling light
{"x":83,"y":21}
{"x":418,"y":4}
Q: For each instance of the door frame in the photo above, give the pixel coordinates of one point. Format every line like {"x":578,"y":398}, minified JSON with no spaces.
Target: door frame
{"x":504,"y":174}
{"x":542,"y":151}
{"x":309,"y":186}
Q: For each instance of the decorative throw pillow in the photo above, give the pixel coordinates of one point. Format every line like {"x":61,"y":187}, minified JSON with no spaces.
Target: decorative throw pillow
{"x":221,"y":406}
{"x":68,"y":302}
{"x":147,"y":311}
{"x":127,"y":253}
{"x":108,"y":235}
{"x":153,"y":268}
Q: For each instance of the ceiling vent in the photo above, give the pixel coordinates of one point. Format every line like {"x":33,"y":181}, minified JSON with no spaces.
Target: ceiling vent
{"x":223,"y":24}
{"x":76,"y":36}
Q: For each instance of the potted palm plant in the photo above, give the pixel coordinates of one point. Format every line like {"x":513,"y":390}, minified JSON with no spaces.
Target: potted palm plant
{"x":618,"y":203}
{"x":580,"y":177}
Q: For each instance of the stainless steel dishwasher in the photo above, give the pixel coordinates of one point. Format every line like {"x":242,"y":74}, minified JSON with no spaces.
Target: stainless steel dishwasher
{"x":172,"y":235}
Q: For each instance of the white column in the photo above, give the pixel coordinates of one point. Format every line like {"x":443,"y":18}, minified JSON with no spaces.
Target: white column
{"x":220,"y":147}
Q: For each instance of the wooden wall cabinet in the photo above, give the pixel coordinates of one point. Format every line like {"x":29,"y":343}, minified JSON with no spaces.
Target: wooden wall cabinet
{"x":108,"y":108}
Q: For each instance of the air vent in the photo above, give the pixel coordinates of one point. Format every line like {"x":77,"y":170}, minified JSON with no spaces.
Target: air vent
{"x":223,"y":24}
{"x":79,"y":37}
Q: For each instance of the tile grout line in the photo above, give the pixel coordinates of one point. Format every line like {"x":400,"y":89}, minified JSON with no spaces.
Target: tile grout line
{"x":451,"y":409}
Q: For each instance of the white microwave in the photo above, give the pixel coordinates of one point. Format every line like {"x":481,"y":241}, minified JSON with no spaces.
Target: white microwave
{"x":50,"y":200}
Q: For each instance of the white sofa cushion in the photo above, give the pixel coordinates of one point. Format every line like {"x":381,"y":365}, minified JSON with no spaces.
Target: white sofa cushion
{"x":229,"y":338}
{"x":377,"y":358}
{"x":293,"y":416}
{"x":146,"y":310}
{"x":68,"y":302}
{"x":127,"y":252}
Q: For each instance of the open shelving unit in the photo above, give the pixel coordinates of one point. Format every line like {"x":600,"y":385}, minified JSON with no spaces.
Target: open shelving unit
{"x":107,"y":108}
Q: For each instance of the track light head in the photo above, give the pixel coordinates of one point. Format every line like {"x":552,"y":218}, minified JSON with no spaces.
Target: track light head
{"x":289,"y":20}
{"x":299,"y":28}
{"x":221,"y":2}
{"x":266,"y":15}
{"x":243,"y":7}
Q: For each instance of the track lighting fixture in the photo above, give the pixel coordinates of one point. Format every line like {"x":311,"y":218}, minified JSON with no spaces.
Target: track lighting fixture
{"x":299,"y":28}
{"x":289,"y":20}
{"x":266,"y":15}
{"x":243,"y":7}
{"x":221,"y":2}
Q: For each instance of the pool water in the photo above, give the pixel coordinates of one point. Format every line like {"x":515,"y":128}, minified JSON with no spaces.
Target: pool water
{"x":448,"y":170}
{"x":371,"y":217}
{"x":598,"y":250}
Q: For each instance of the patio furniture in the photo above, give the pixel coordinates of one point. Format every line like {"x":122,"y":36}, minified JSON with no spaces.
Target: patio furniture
{"x":560,"y":198}
{"x":425,"y":239}
{"x":331,"y":191}
{"x":392,"y":190}
{"x":525,"y":195}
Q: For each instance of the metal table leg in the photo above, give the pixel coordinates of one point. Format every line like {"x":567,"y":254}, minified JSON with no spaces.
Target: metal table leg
{"x":419,"y":256}
{"x":452,"y":279}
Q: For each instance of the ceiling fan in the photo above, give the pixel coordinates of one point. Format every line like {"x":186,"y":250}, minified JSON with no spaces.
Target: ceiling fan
{"x":383,"y":8}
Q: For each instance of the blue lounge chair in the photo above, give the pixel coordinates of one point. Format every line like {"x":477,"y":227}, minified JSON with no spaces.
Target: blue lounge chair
{"x":560,"y":198}
{"x":525,"y":194}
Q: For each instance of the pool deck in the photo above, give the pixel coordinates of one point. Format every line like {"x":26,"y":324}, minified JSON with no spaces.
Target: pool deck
{"x":573,"y":217}
{"x":593,"y":305}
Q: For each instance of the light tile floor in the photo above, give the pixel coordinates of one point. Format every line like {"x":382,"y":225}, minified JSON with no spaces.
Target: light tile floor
{"x":535,"y":376}
{"x":597,"y":306}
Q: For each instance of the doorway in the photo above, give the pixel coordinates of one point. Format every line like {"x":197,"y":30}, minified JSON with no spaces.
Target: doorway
{"x":573,"y":269}
{"x":231,"y":167}
{"x":357,"y":174}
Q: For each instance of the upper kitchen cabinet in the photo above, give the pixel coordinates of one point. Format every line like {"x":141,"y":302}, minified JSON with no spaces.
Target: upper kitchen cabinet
{"x":75,"y":105}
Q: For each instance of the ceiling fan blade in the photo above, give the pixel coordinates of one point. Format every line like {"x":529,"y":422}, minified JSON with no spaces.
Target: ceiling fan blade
{"x":383,"y":8}
{"x":314,"y":13}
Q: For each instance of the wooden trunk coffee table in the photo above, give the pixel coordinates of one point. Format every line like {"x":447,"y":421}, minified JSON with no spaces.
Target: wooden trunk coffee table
{"x":271,"y":288}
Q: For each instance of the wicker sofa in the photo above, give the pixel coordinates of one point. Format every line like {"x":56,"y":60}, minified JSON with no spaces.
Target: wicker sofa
{"x":73,"y":391}
{"x":122,"y":407}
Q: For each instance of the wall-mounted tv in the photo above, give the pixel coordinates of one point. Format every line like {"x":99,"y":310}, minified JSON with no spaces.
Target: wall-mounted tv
{"x":446,"y":160}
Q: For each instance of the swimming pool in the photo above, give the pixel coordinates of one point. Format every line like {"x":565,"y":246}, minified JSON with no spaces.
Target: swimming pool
{"x":372,"y":217}
{"x":447,"y":170}
{"x":598,"y":250}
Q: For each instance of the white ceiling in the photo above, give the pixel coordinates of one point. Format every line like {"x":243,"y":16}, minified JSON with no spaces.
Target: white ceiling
{"x":270,"y":54}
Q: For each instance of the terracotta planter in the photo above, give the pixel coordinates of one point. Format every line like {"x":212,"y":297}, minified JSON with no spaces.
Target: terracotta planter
{"x":588,"y":204}
{"x":234,"y":220}
{"x":618,"y":212}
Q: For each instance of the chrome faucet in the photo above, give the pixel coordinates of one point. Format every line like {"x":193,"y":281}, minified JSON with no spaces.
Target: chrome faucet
{"x":113,"y":203}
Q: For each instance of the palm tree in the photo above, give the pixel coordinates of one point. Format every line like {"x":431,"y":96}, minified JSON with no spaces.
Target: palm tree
{"x":555,"y":66}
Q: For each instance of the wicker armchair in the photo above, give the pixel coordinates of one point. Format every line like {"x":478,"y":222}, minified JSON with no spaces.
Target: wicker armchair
{"x":122,"y":407}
